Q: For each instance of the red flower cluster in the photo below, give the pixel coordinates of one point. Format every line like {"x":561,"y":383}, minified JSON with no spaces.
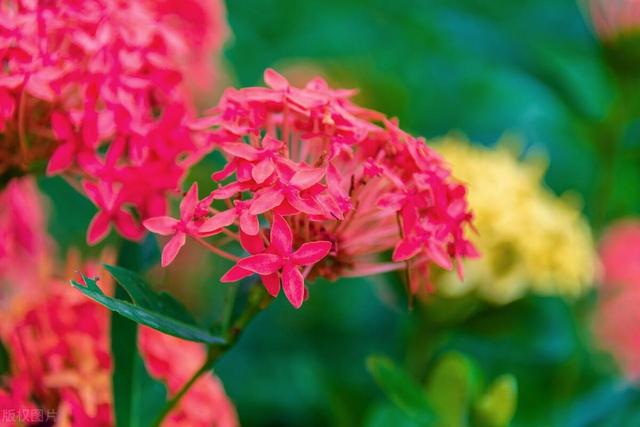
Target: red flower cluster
{"x":339,"y":186}
{"x":97,"y":86}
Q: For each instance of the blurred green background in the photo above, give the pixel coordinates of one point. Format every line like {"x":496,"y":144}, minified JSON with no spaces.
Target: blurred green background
{"x":532,"y":68}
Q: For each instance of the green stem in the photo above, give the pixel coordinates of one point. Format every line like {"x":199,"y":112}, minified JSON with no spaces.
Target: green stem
{"x":258,"y":300}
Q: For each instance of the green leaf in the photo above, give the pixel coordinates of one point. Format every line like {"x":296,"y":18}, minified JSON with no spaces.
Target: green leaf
{"x":138,"y":398}
{"x":148,"y":308}
{"x":497,"y":406}
{"x":145,"y":297}
{"x":453,"y":384}
{"x":401,"y":388}
{"x":5,"y":360}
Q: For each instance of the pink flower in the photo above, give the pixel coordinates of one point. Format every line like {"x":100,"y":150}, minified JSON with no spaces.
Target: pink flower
{"x":179,"y":228}
{"x":279,"y":259}
{"x":620,"y":295}
{"x":620,"y":255}
{"x":613,"y":18}
{"x":342,"y":183}
{"x":174,"y":361}
{"x":110,"y":209}
{"x":81,"y":77}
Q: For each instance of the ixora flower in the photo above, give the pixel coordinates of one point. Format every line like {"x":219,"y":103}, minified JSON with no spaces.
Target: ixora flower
{"x":95,"y":88}
{"x":528,"y":237}
{"x":61,"y":364}
{"x":612,"y":18}
{"x":620,"y":295}
{"x":58,"y":340}
{"x":316,"y":186}
{"x":23,"y":236}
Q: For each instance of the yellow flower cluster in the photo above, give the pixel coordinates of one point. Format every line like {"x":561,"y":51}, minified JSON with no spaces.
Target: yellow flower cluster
{"x":527,"y":236}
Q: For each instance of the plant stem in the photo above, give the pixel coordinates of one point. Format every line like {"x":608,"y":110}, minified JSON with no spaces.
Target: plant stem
{"x":258,"y":300}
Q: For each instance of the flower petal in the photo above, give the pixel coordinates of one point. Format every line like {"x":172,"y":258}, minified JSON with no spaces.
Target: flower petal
{"x":266,"y":201}
{"x":127,"y":226}
{"x":163,"y":225}
{"x":249,"y":223}
{"x":99,"y":228}
{"x":234,"y":274}
{"x":311,"y":252}
{"x":61,"y":159}
{"x":251,"y":243}
{"x":188,"y":204}
{"x":218,"y":221}
{"x":307,"y":177}
{"x":172,"y":248}
{"x":406,"y":249}
{"x":271,"y":283}
{"x":293,"y":285}
{"x":262,"y":264}
{"x":239,"y":149}
{"x":275,"y":80}
{"x":262,"y":170}
{"x":281,"y":239}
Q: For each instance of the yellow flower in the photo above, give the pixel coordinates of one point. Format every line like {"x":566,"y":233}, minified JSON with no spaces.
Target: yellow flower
{"x":528,"y":237}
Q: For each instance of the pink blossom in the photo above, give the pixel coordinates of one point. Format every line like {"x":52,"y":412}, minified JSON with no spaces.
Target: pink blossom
{"x":620,"y":254}
{"x":81,"y":77}
{"x":174,"y":361}
{"x":279,"y":257}
{"x":343,"y":184}
{"x":187,"y":225}
{"x":620,"y":295}
{"x":613,"y":18}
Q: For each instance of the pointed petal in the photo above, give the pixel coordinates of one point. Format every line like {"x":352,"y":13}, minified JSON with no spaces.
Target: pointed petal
{"x":251,"y":243}
{"x":61,"y":126}
{"x":293,"y":285}
{"x":271,"y":283}
{"x":99,"y":228}
{"x":162,"y":225}
{"x":311,"y":252}
{"x":249,"y":223}
{"x":218,"y":221}
{"x":281,"y":239}
{"x":306,"y":178}
{"x":234,"y":274}
{"x":275,"y":80}
{"x":188,"y":204}
{"x":262,"y":170}
{"x":127,"y":226}
{"x":266,"y":201}
{"x":239,"y":149}
{"x":405,"y":249}
{"x":261,"y":263}
{"x":61,"y":159}
{"x":172,"y":248}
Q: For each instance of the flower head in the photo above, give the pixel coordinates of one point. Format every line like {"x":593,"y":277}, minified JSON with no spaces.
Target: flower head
{"x":528,"y":237}
{"x":317,"y":186}
{"x":96,"y":87}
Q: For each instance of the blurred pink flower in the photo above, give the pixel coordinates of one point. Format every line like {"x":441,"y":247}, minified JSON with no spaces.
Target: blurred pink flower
{"x":620,"y":254}
{"x":59,"y":345}
{"x":615,"y":17}
{"x":23,"y":236}
{"x":174,"y":361}
{"x":620,"y":295}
